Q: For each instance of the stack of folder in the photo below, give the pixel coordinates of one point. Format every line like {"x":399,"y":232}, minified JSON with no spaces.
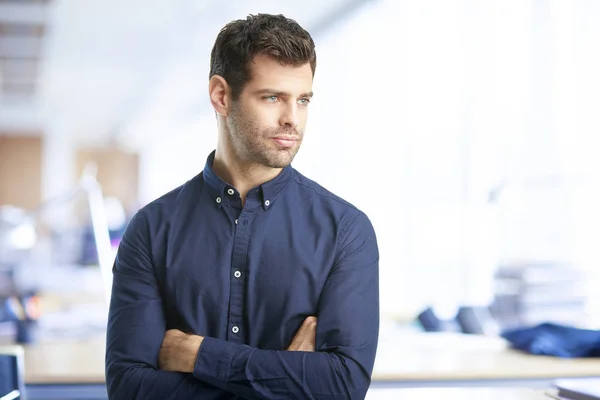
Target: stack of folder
{"x":531,"y":293}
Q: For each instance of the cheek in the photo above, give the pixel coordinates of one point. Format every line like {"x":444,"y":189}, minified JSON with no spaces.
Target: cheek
{"x":271,"y":116}
{"x":303,"y":116}
{"x":263,"y":117}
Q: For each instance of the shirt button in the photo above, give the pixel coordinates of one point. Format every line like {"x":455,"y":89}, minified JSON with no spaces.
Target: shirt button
{"x":218,"y":199}
{"x":235,"y":329}
{"x":267,"y":202}
{"x":236,"y":221}
{"x":230,"y":192}
{"x":237,"y":274}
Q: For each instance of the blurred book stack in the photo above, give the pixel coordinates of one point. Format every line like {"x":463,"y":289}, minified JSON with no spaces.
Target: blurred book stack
{"x":532,"y":293}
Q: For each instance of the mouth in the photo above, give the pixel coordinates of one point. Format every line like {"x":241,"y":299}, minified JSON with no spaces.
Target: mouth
{"x":285,"y":141}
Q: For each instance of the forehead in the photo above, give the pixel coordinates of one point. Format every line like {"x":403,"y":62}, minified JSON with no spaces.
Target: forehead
{"x":266,"y":72}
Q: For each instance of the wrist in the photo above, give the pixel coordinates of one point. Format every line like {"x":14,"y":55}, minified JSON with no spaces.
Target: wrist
{"x":191,"y":347}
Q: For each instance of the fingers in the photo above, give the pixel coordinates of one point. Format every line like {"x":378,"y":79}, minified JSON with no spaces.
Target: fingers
{"x":309,"y":332}
{"x":309,"y":322}
{"x":304,"y":340}
{"x":173,"y":333}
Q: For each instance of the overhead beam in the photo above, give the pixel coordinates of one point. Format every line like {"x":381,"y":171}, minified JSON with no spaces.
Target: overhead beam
{"x":20,"y":47}
{"x":23,"y":12}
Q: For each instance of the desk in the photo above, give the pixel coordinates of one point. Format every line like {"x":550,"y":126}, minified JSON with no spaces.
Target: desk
{"x":446,"y":359}
{"x":406,"y":360}
{"x":65,"y":370}
{"x":456,"y":394}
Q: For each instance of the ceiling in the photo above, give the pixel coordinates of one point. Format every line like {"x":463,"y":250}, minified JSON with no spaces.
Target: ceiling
{"x":120,"y":69}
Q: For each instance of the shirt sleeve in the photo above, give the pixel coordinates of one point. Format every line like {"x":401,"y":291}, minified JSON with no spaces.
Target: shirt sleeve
{"x":346,"y":342}
{"x":136,"y":327}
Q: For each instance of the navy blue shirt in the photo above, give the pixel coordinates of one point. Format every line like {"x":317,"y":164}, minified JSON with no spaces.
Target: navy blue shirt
{"x":245,"y":277}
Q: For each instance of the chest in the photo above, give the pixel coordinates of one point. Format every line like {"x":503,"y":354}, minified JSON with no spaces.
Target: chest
{"x":264,"y":264}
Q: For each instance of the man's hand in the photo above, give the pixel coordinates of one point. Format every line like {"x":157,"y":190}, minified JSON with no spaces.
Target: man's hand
{"x":306,"y":336}
{"x":179,"y":351}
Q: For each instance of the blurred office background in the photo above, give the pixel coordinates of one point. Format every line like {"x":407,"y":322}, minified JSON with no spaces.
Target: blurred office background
{"x":467,"y":130}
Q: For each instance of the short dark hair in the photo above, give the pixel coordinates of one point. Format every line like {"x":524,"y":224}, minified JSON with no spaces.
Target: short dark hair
{"x":241,"y":40}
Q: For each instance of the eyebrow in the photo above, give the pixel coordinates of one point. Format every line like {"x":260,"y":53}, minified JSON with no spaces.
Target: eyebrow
{"x":280,"y":93}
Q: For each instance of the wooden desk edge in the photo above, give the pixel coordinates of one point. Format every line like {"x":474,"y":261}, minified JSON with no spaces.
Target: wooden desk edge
{"x":64,"y":380}
{"x":453,"y":377}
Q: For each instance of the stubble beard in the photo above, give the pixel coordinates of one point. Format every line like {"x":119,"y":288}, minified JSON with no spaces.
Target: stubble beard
{"x":253,"y":144}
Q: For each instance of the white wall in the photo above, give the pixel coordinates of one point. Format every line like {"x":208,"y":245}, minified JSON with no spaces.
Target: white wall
{"x":421,"y":108}
{"x":437,"y":103}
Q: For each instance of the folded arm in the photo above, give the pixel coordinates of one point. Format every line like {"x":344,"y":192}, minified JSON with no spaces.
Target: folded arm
{"x":346,"y":341}
{"x":136,"y":327}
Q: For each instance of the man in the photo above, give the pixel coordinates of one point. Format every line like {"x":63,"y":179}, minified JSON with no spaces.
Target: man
{"x":249,"y":281}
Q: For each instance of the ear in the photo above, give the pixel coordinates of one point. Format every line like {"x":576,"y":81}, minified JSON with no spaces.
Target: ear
{"x":219,"y":93}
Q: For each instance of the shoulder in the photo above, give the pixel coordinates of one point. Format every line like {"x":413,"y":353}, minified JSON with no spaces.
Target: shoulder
{"x":355,"y":238}
{"x":162,"y":209}
{"x":346,"y":213}
{"x":309,"y":188}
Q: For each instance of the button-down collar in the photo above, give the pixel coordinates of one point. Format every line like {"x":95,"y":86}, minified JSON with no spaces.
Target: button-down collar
{"x":221,"y":190}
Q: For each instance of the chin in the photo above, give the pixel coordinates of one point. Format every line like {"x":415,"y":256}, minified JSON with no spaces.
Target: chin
{"x":280,"y":159}
{"x":280,"y":162}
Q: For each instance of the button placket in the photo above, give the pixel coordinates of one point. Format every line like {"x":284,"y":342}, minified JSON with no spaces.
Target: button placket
{"x":241,"y":237}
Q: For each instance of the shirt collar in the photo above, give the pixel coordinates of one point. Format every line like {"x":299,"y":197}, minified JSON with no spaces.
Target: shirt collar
{"x":269,"y":191}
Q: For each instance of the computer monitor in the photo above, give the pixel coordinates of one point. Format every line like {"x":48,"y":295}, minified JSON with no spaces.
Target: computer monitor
{"x":12,"y":384}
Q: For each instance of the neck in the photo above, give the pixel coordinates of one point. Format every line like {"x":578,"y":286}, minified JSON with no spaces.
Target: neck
{"x":240,"y":174}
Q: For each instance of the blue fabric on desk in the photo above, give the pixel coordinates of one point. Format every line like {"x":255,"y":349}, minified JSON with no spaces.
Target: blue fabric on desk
{"x":557,"y":340}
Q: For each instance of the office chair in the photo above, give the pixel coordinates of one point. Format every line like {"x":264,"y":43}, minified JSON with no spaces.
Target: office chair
{"x":429,"y":321}
{"x":476,"y":321}
{"x":12,"y":379}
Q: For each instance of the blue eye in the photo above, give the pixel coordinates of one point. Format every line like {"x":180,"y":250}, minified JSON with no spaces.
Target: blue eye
{"x":271,"y":99}
{"x":304,"y":101}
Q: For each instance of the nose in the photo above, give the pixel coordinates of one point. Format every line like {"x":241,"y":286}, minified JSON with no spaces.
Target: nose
{"x":289,"y":116}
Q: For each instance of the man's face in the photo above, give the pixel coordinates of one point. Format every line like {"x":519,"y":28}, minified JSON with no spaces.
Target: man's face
{"x":266,"y":123}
